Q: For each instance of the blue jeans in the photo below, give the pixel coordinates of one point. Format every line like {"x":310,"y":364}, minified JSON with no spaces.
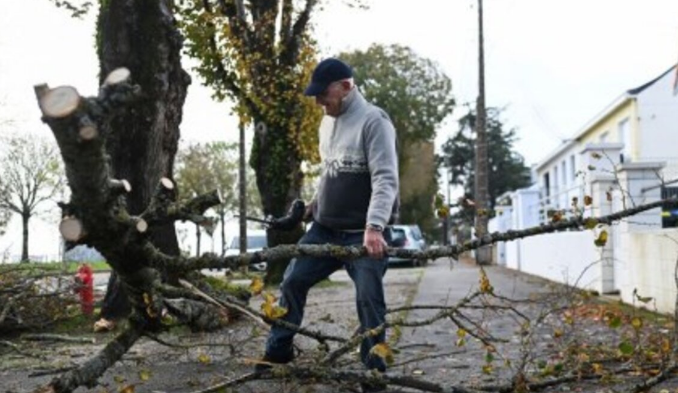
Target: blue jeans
{"x":304,"y":272}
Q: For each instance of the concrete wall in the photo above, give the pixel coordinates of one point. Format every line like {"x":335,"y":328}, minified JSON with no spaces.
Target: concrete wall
{"x":565,"y":257}
{"x":651,"y":267}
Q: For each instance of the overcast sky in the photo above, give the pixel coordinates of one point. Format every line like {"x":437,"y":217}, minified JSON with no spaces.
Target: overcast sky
{"x":553,"y":64}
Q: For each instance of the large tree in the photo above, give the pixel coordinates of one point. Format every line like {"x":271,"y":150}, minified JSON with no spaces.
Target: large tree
{"x":417,"y":95}
{"x":142,"y":142}
{"x":260,"y":54}
{"x":507,"y":169}
{"x":30,"y":175}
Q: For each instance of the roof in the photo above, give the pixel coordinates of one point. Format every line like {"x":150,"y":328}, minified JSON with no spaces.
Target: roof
{"x":614,"y":105}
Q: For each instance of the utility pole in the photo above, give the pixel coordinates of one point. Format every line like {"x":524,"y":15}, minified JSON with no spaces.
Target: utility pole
{"x":484,"y":254}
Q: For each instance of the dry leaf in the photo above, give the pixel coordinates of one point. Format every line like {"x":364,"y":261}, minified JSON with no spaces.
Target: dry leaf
{"x":485,"y":286}
{"x":637,"y":322}
{"x":145,"y":375}
{"x":602,"y":239}
{"x":588,"y":200}
{"x":383,"y":351}
{"x":270,"y":308}
{"x":127,"y":389}
{"x":204,"y":358}
{"x":590,"y":223}
{"x":256,"y":286}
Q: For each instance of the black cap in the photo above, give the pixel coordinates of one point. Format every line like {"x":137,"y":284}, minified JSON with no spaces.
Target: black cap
{"x":327,"y":71}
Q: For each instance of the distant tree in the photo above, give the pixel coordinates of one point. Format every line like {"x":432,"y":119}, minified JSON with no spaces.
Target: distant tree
{"x":260,"y":54}
{"x":202,"y":168}
{"x":507,"y":168}
{"x":30,"y":174}
{"x":417,"y":95}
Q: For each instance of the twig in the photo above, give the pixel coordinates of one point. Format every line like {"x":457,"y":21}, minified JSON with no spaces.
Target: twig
{"x":57,"y":337}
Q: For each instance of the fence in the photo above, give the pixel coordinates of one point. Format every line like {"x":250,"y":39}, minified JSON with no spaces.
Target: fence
{"x":639,"y":257}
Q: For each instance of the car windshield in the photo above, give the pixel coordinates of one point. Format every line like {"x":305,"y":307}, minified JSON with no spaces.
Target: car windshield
{"x":254,"y":241}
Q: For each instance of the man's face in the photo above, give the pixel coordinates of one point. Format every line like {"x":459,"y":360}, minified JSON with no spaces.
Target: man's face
{"x":331,"y":98}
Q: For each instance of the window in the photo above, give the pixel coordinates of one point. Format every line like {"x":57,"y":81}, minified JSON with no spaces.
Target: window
{"x":547,"y":188}
{"x":563,"y":170}
{"x":573,"y":168}
{"x":624,"y":130}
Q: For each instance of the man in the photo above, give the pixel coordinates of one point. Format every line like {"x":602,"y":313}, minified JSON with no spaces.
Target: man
{"x":356,"y":198}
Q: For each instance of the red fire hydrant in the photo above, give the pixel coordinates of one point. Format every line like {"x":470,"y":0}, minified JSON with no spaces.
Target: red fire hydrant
{"x":84,"y":279}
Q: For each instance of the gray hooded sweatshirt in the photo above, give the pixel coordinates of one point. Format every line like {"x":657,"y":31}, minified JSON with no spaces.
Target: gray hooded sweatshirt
{"x":359,"y":180}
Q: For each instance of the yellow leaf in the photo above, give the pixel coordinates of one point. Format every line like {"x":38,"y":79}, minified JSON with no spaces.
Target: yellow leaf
{"x":383,"y":351}
{"x":461,"y":333}
{"x":145,"y":375}
{"x":590,"y":223}
{"x":487,"y":369}
{"x":148,"y":300}
{"x":602,"y":239}
{"x":257,"y":285}
{"x":270,"y":308}
{"x":587,"y":200}
{"x":461,"y":342}
{"x":485,"y":286}
{"x":597,"y":368}
{"x":119,"y":379}
{"x":204,"y":358}
{"x":666,"y":345}
{"x":127,"y":389}
{"x":557,"y":333}
{"x":637,"y":322}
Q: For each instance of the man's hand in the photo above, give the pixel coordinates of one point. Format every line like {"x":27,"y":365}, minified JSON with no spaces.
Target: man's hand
{"x":375,"y":243}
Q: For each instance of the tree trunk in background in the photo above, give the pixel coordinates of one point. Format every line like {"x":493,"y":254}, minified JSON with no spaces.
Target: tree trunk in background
{"x":483,"y":255}
{"x":142,"y":143}
{"x":197,"y":240}
{"x":274,"y":162}
{"x":222,"y":219}
{"x":24,"y":244}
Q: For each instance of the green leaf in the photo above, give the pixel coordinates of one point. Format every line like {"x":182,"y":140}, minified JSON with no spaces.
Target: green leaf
{"x":626,"y":348}
{"x":615,"y":322}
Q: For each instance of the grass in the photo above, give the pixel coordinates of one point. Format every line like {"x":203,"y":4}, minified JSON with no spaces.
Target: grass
{"x":32,"y":268}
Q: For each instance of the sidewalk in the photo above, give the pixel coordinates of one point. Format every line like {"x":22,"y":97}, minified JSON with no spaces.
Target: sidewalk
{"x":445,"y":283}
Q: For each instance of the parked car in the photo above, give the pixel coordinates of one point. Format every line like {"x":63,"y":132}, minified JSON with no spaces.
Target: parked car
{"x":418,"y":236}
{"x":256,"y":241}
{"x":407,"y":237}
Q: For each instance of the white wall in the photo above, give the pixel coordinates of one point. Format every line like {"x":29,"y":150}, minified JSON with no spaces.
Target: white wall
{"x":651,"y":265}
{"x":565,"y":257}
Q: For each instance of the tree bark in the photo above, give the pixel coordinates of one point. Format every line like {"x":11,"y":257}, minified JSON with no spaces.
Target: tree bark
{"x":24,"y":246}
{"x":142,"y":142}
{"x":197,"y":240}
{"x":273,"y":162}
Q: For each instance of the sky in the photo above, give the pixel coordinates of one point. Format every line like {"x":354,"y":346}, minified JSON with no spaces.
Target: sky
{"x":553,"y":65}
